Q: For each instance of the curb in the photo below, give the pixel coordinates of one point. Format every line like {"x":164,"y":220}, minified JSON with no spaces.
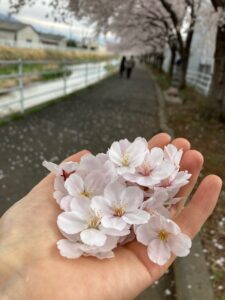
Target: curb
{"x":191,"y":273}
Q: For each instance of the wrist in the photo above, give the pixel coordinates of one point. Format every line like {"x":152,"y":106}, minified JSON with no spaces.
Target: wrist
{"x":11,"y":277}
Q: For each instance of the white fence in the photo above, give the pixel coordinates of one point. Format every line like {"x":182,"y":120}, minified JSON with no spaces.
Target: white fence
{"x":200,"y":81}
{"x":22,"y":96}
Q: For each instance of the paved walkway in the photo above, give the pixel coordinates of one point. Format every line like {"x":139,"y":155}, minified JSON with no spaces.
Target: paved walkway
{"x":92,"y":119}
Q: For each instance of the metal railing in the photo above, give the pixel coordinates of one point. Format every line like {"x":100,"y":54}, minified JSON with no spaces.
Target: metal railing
{"x":200,"y":81}
{"x":30,"y":89}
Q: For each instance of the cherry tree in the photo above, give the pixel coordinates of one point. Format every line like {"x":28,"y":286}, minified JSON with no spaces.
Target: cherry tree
{"x":217,"y":91}
{"x":141,"y":26}
{"x":145,"y":26}
{"x":173,"y":16}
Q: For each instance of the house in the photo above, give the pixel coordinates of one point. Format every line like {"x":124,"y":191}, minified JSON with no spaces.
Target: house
{"x":18,"y":34}
{"x":53,"y":40}
{"x":13,"y":32}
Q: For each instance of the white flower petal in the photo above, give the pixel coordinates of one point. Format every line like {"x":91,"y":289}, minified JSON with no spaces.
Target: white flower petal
{"x":136,"y":217}
{"x":94,"y":183}
{"x":74,"y":185}
{"x":57,"y":195}
{"x":70,"y":224}
{"x":126,"y":169}
{"x":172,"y":154}
{"x":93,"y":237}
{"x":159,"y":252}
{"x":155,"y":223}
{"x":65,"y":203}
{"x":158,"y":198}
{"x":69,"y":166}
{"x":169,"y":226}
{"x":114,"y":232}
{"x":132,"y":198}
{"x":179,"y":244}
{"x":52,"y":167}
{"x":59,"y":184}
{"x":113,"y":222}
{"x":147,"y":181}
{"x":110,"y":172}
{"x":69,"y":249}
{"x":155,"y":157}
{"x":99,"y":204}
{"x":163,"y":211}
{"x":89,"y":163}
{"x":112,"y":193}
{"x":136,"y":152}
{"x":81,"y":208}
{"x":164,"y":171}
{"x":115,"y":154}
{"x":124,"y":144}
{"x":145,"y":235}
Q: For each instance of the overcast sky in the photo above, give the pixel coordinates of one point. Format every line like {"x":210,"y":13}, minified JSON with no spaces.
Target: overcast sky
{"x":36,"y":16}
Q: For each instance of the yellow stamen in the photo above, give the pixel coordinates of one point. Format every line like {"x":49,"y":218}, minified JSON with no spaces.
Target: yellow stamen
{"x":85,"y":194}
{"x":163,"y":235}
{"x":118,"y":211}
{"x":93,"y":222}
{"x":125,"y":160}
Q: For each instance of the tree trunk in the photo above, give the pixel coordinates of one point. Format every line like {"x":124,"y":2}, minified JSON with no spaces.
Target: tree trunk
{"x":185,"y":53}
{"x":183,"y":70}
{"x":172,"y":61}
{"x":216,"y":99}
{"x":160,"y":62}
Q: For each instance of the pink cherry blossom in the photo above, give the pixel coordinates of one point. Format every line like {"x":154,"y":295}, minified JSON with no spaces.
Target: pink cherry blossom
{"x":173,"y":155}
{"x":155,"y":204}
{"x":100,"y":163}
{"x":81,"y":187}
{"x":109,"y":199}
{"x":87,"y":187}
{"x":120,"y":206}
{"x":163,"y":237}
{"x":173,"y":183}
{"x":127,"y":156}
{"x":153,"y":169}
{"x":84,"y":221}
{"x":62,"y":172}
{"x":74,"y":249}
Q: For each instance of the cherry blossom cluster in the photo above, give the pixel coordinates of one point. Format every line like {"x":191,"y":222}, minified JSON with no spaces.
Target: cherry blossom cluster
{"x":113,"y":198}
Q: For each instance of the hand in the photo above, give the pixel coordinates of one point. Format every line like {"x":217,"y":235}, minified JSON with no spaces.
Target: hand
{"x":32,"y":268}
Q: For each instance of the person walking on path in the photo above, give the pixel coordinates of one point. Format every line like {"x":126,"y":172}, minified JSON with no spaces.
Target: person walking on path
{"x":122,"y":66}
{"x":130,"y":66}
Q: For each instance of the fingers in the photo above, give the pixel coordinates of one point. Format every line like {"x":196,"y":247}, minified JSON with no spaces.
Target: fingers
{"x":162,"y":139}
{"x":194,"y":215}
{"x":192,"y":162}
{"x":181,"y":143}
{"x":159,"y":140}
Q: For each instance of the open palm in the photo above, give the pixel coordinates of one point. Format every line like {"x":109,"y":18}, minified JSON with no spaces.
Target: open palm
{"x":32,"y":268}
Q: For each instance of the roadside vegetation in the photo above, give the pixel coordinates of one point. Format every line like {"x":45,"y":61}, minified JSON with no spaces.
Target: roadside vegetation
{"x":206,"y":135}
{"x":49,"y":71}
{"x":76,"y":56}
